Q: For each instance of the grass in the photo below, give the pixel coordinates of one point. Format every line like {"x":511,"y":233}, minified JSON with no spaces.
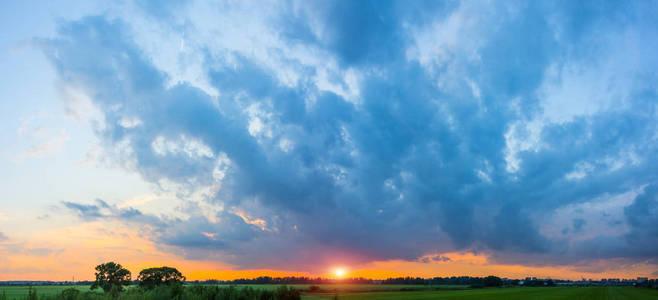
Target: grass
{"x":18,"y":292}
{"x":420,"y":292}
{"x":540,"y":293}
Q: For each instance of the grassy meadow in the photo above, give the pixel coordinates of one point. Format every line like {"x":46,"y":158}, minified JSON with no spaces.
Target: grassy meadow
{"x":522,"y":293}
{"x":19,"y":292}
{"x":420,"y":292}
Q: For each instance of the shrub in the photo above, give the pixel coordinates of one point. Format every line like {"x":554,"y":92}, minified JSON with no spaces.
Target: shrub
{"x":32,"y":294}
{"x":69,"y":294}
{"x":286,"y":293}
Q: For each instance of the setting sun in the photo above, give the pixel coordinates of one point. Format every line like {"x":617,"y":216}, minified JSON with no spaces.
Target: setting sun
{"x":339,"y":272}
{"x":391,"y":149}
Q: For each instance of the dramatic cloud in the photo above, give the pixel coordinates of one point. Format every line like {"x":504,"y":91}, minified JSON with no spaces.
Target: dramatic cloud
{"x":360,"y":131}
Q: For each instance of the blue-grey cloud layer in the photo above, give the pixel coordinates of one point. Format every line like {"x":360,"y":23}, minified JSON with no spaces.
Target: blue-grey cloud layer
{"x":473,"y":126}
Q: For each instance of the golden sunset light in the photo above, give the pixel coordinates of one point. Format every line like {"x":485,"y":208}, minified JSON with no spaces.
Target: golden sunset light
{"x":328,"y":149}
{"x":339,"y":272}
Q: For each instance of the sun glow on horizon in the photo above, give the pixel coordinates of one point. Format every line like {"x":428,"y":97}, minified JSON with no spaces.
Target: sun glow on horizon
{"x":339,"y":272}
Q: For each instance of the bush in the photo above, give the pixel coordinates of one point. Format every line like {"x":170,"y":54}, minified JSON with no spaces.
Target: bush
{"x":285,"y":293}
{"x":32,"y":294}
{"x":69,"y":294}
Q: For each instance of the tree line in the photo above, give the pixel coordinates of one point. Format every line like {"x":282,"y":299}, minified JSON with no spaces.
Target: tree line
{"x":489,"y":281}
{"x":157,"y":284}
{"x":463,"y":280}
{"x":289,"y":280}
{"x":112,"y":277}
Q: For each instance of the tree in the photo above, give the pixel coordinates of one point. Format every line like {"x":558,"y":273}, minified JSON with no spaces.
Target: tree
{"x":492,"y":281}
{"x":152,"y":277}
{"x":111,"y":277}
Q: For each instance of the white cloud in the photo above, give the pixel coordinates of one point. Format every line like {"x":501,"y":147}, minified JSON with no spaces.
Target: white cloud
{"x":41,"y":140}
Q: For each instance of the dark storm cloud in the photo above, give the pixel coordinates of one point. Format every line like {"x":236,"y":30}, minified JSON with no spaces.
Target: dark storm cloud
{"x":420,"y":162}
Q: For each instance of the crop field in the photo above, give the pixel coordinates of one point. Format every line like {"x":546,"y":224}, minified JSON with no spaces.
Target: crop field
{"x":527,"y":293}
{"x":14,"y":292}
{"x":18,"y":292}
{"x":419,"y":292}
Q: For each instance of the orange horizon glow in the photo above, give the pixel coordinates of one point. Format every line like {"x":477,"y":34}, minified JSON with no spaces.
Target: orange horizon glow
{"x":402,"y":269}
{"x":78,"y":249}
{"x":339,"y":272}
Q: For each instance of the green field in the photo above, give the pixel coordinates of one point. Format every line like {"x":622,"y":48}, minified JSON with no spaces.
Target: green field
{"x":14,"y":292}
{"x":540,"y":293}
{"x":413,"y":292}
{"x":21,"y":291}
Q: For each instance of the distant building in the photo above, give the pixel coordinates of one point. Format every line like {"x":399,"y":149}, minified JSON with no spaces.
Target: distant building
{"x":642,"y":279}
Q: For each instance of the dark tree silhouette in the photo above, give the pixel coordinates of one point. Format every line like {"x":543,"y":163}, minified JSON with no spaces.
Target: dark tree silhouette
{"x":152,"y":277}
{"x":111,"y":277}
{"x":492,"y":281}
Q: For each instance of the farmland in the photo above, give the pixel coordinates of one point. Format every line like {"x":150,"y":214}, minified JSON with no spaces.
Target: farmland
{"x":14,"y":292}
{"x":18,"y":292}
{"x":412,"y":292}
{"x":529,"y":293}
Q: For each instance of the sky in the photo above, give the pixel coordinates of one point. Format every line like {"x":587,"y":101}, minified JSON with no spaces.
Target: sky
{"x":386,"y":138}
